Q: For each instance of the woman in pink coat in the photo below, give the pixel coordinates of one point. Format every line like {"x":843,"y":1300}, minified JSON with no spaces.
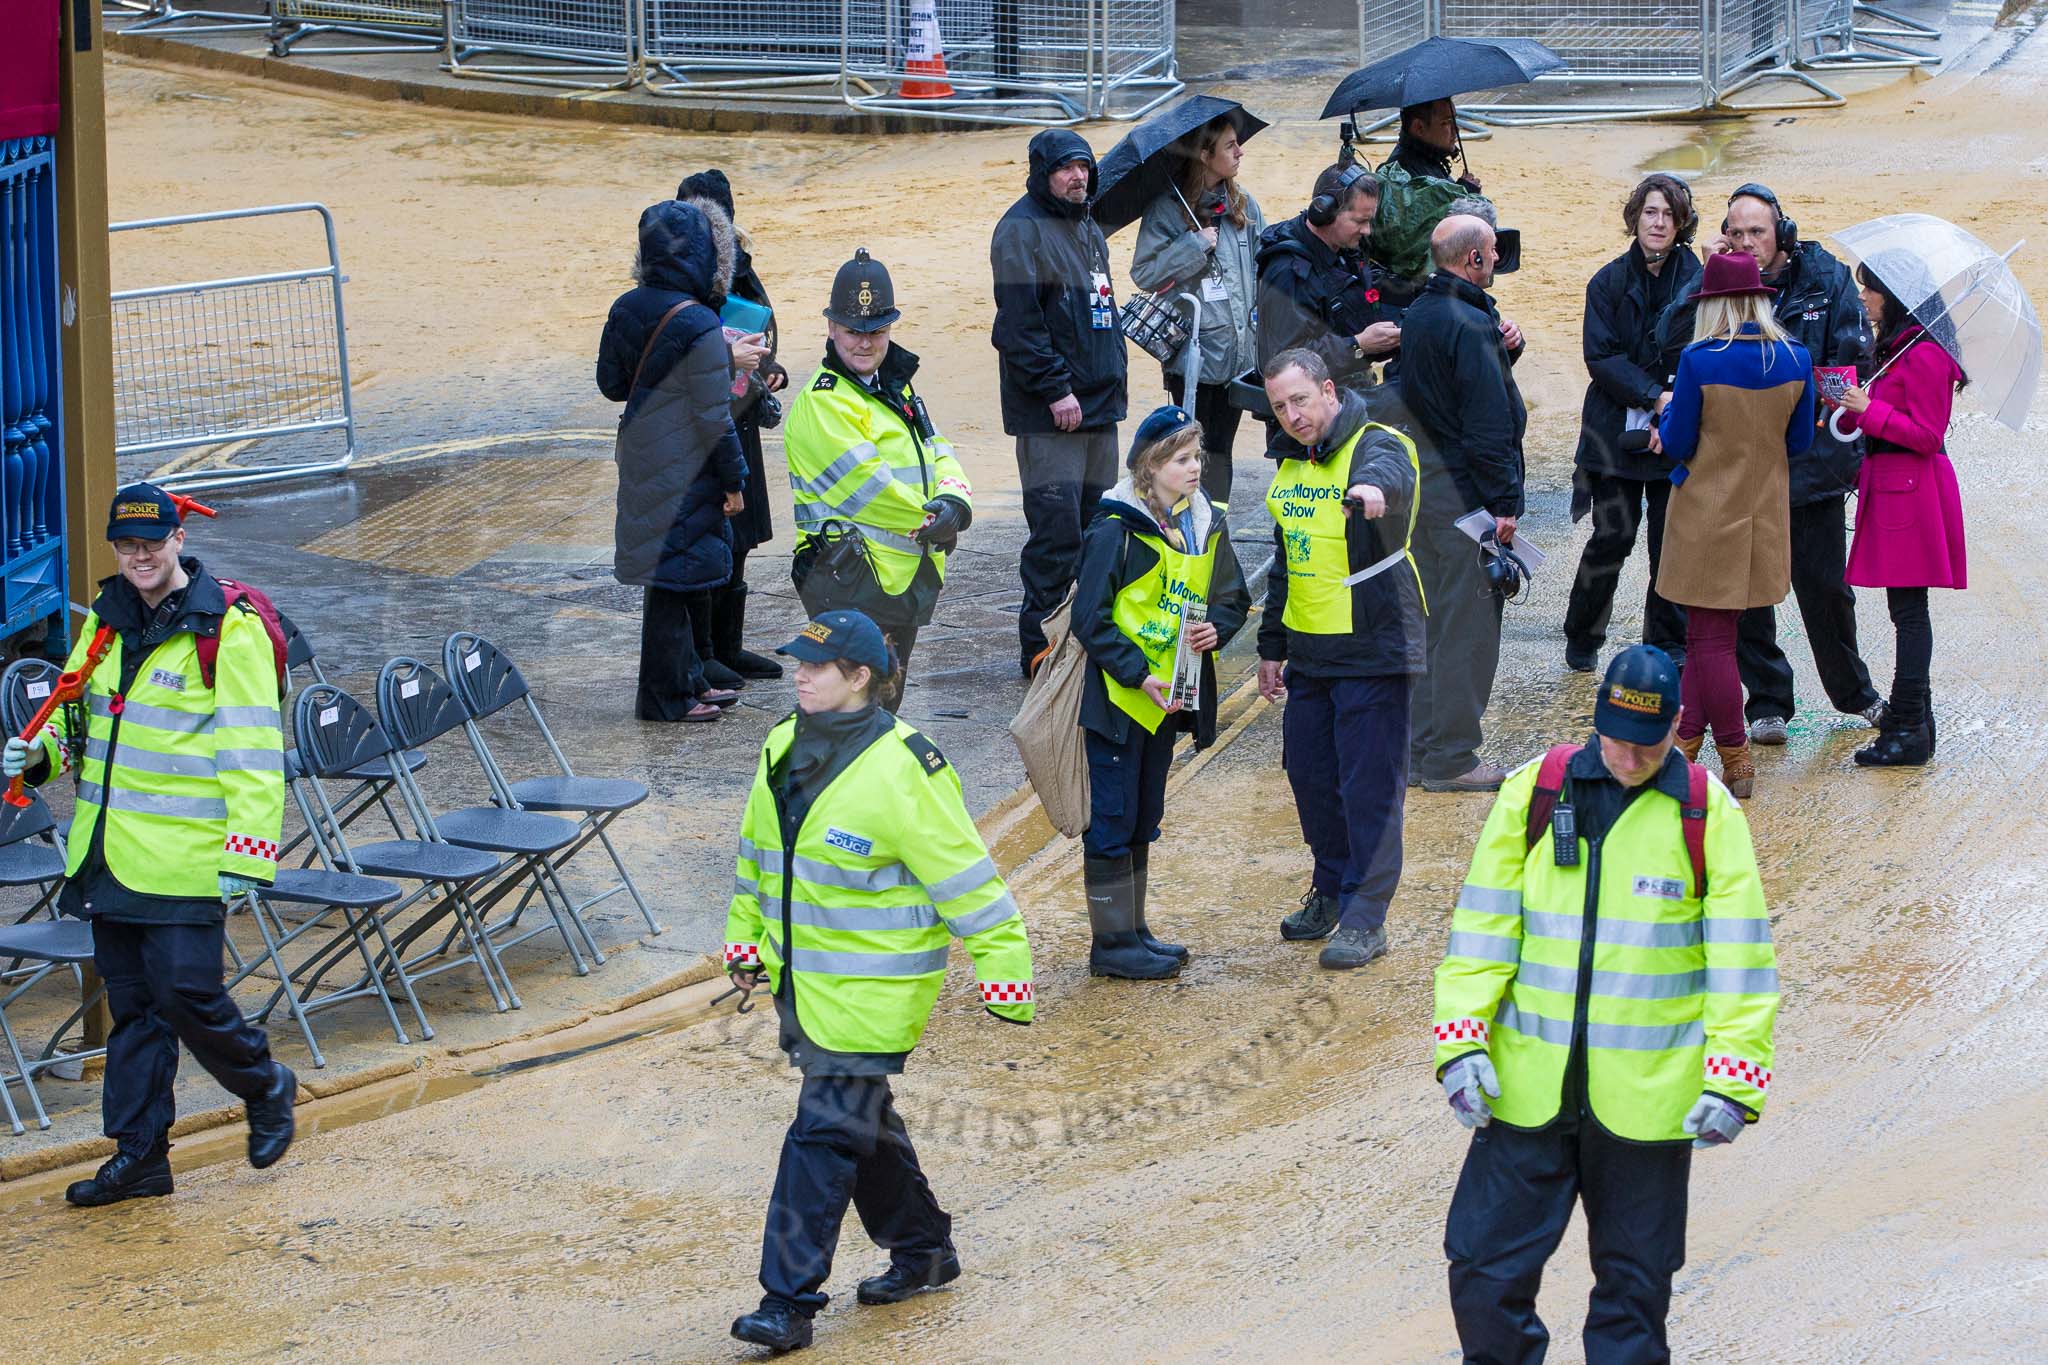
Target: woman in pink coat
{"x":1909,"y":517}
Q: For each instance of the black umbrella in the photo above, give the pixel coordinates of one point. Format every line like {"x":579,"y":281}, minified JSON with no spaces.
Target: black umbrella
{"x":1438,"y":68}
{"x":1142,"y":167}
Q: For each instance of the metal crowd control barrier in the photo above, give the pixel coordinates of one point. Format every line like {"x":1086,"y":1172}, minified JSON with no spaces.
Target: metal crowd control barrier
{"x":32,"y":570}
{"x":1660,"y":57}
{"x":394,"y":23}
{"x":139,"y":16}
{"x":245,"y":358}
{"x":1007,"y":61}
{"x":603,"y":35}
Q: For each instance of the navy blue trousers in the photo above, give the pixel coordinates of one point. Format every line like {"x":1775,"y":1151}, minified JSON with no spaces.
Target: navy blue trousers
{"x":1126,"y":790}
{"x":846,"y":1144}
{"x":163,"y":988}
{"x":1344,"y":743}
{"x":1514,"y":1200}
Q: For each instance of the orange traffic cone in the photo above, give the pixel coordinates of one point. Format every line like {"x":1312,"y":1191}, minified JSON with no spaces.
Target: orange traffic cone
{"x":927,"y":65}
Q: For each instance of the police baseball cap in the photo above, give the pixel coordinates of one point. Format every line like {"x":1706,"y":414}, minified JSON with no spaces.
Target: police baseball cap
{"x":847,"y":635}
{"x":142,"y":511}
{"x":1638,"y":697}
{"x":863,"y":295}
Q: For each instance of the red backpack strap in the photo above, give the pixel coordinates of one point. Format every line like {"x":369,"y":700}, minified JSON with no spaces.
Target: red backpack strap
{"x":258,"y":605}
{"x":1549,"y":785}
{"x":1693,"y":820}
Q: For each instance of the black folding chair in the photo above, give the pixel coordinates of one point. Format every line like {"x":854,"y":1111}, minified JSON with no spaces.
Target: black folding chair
{"x":337,"y":735}
{"x":310,"y":895}
{"x":51,"y":944}
{"x":373,"y":779}
{"x":417,"y":708}
{"x":487,"y":682}
{"x":31,"y":854}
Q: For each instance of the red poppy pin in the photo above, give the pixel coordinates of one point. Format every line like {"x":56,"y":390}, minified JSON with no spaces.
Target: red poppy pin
{"x":1372,"y":296}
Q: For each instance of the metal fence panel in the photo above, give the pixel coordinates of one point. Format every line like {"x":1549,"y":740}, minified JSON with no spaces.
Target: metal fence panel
{"x":1749,"y":34}
{"x":235,"y":359}
{"x":1602,"y":40}
{"x":416,"y":23}
{"x":32,"y":571}
{"x":580,"y":28}
{"x":1387,"y":26}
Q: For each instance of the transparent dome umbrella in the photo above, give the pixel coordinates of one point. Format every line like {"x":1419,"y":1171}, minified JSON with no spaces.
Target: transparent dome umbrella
{"x":1967,"y":298}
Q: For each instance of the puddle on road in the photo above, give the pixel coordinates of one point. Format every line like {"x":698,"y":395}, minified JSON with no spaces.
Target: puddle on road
{"x":1707,"y":151}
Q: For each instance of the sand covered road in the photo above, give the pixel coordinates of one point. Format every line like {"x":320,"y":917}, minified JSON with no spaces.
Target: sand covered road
{"x":1252,"y":1162}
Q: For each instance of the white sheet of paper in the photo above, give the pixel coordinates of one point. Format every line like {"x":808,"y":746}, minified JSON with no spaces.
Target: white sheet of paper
{"x":1477,"y":522}
{"x":1638,"y":420}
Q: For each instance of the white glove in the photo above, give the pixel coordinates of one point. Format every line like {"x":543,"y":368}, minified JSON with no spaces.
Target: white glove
{"x":1713,"y":1121}
{"x":1464,"y":1080}
{"x":14,"y":760}
{"x":234,"y":888}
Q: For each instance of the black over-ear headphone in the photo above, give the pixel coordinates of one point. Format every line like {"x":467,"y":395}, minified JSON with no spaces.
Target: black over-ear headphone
{"x":1788,"y":231}
{"x":1322,"y":210}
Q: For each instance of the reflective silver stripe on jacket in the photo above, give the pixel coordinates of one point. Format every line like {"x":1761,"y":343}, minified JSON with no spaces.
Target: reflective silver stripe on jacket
{"x":1755,"y":929}
{"x":1742,"y":980}
{"x":1621,"y":933}
{"x":148,"y":803}
{"x":245,"y":760}
{"x":864,"y":964}
{"x":960,"y":883}
{"x":1487,"y":900}
{"x":246,"y":717}
{"x":1621,"y":985}
{"x":1486,"y":947}
{"x":148,"y":761}
{"x":1618,"y":1037}
{"x":990,"y":915}
{"x":860,"y":918}
{"x":887,"y":877}
{"x":851,"y":459}
{"x":159,"y":717}
{"x":811,"y":516}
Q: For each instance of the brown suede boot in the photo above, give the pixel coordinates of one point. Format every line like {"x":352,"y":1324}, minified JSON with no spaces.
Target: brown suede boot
{"x":1738,"y":772}
{"x":1691,"y":747}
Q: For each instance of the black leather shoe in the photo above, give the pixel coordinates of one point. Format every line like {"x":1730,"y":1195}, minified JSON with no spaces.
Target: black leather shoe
{"x":125,"y":1177}
{"x":271,"y":1122}
{"x":900,"y":1282}
{"x":1580,"y":660}
{"x":1896,"y":748}
{"x":777,"y":1326}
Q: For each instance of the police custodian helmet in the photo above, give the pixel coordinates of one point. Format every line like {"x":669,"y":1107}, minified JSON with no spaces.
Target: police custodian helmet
{"x":863,"y":296}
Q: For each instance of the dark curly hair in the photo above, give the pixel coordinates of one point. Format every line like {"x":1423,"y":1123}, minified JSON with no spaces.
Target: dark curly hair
{"x":1676,"y":194}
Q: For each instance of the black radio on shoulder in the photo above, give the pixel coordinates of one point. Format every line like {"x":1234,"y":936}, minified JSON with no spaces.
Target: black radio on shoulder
{"x":1564,"y":836}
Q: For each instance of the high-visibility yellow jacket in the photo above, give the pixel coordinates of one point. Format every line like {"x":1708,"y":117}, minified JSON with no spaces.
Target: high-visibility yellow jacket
{"x":189,"y":780}
{"x":856,"y":454}
{"x":1675,"y":994}
{"x":886,"y":870}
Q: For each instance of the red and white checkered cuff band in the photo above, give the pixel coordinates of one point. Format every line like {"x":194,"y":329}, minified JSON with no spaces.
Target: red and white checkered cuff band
{"x":742,"y":955}
{"x":1006,"y":993}
{"x":1461,"y":1031}
{"x":1736,"y":1069}
{"x":959,"y":486}
{"x":250,"y":847}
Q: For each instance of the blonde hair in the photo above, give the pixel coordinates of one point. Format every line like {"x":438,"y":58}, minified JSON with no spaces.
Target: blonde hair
{"x":1145,"y":468}
{"x":1195,"y":149}
{"x":1722,"y":320}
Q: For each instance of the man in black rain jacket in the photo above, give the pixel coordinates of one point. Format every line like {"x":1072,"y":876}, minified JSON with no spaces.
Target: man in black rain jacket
{"x":1063,"y":364}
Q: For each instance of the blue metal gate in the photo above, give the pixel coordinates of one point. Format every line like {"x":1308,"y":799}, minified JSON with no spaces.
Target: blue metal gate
{"x":32,"y":570}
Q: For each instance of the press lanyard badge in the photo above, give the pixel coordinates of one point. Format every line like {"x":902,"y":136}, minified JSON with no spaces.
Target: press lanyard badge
{"x":1101,"y":303}
{"x":1214,"y":288}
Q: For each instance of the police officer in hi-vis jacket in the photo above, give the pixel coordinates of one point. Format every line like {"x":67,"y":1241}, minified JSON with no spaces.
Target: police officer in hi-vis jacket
{"x":180,"y":806}
{"x":864,"y":452}
{"x":858,"y":867}
{"x":1605,"y":1007}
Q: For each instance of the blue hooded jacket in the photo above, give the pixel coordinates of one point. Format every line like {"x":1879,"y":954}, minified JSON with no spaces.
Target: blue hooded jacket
{"x":677,"y":451}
